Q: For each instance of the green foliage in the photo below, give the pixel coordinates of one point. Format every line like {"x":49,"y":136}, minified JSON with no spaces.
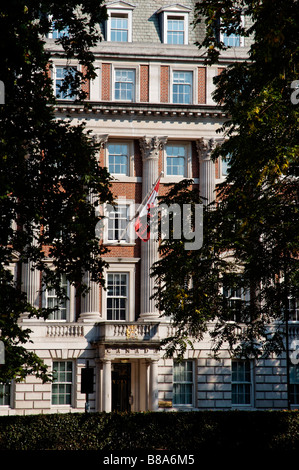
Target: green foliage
{"x":49,"y":172}
{"x":251,"y":236}
{"x":201,"y":431}
{"x":191,"y":293}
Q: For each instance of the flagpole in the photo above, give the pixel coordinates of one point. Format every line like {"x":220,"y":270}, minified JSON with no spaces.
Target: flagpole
{"x":140,"y":206}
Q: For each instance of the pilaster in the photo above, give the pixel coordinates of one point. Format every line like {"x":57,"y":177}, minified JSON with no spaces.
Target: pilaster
{"x":150,"y":148}
{"x":207,"y":170}
{"x":90,"y":302}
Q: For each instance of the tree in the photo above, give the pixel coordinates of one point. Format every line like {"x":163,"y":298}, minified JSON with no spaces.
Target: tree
{"x":255,"y":219}
{"x":50,"y":181}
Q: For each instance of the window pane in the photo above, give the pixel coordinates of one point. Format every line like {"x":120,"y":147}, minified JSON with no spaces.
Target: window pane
{"x":231,"y":40}
{"x":61,"y":73}
{"x":183,"y":383}
{"x":117,"y":296}
{"x":175,"y":30}
{"x":4,"y":394}
{"x":241,"y":383}
{"x":225,"y":166}
{"x":293,"y":309}
{"x":175,"y":161}
{"x":117,"y":222}
{"x":119,"y":29}
{"x":182,"y":87}
{"x":124,"y":84}
{"x":294,"y":373}
{"x":59,"y":34}
{"x":294,"y":394}
{"x":62,"y":385}
{"x":61,"y":305}
{"x":241,"y":394}
{"x":118,"y":159}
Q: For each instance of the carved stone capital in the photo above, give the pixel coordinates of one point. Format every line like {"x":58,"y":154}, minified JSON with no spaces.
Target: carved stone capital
{"x":100,"y":139}
{"x":205,"y":147}
{"x":150,"y":146}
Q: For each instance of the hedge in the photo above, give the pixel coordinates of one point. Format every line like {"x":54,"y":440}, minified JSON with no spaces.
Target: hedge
{"x":169,"y":431}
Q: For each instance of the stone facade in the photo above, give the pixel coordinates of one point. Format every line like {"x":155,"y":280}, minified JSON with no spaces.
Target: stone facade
{"x":130,"y":371}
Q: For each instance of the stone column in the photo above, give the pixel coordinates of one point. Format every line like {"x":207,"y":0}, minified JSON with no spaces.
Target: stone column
{"x":31,"y":281}
{"x":207,"y":170}
{"x":143,"y":385}
{"x":153,"y":385}
{"x":31,"y":278}
{"x":106,"y":386}
{"x":90,"y":302}
{"x":150,"y":148}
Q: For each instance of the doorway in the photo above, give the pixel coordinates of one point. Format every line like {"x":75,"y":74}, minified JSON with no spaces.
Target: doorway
{"x":121,"y":387}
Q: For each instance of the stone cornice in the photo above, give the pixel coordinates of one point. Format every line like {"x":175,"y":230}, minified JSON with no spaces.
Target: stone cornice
{"x":107,"y":50}
{"x":141,"y":109}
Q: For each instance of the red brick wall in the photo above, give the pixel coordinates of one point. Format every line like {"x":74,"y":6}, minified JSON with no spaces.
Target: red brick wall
{"x":217,"y":168}
{"x":106,"y":82}
{"x":144,"y":83}
{"x":86,"y":84}
{"x":201,"y":85}
{"x":164,"y":84}
{"x":195,"y":161}
{"x":137,"y":159}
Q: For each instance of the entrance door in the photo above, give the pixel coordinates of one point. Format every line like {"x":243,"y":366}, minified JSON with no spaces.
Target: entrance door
{"x":121,"y":387}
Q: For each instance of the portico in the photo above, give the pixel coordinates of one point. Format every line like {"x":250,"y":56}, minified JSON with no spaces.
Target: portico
{"x":128,"y":355}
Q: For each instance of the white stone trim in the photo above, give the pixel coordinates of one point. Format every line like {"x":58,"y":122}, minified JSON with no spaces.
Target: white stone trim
{"x":122,"y":266}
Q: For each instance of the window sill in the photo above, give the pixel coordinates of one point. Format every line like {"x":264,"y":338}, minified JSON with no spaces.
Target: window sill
{"x":126,"y":179}
{"x":173,"y":179}
{"x":116,"y":243}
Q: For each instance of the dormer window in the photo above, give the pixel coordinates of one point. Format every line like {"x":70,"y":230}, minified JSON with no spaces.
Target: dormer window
{"x":233,"y":39}
{"x":174,"y":24}
{"x":119,"y":23}
{"x":175,"y":30}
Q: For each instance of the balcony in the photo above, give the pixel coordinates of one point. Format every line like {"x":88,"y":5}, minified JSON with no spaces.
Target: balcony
{"x":128,"y":333}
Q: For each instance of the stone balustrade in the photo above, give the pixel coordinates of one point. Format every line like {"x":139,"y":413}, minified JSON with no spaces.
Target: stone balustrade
{"x":65,"y":330}
{"x":128,"y":332}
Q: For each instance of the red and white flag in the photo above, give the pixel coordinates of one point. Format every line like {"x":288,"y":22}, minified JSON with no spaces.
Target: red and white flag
{"x":142,"y":224}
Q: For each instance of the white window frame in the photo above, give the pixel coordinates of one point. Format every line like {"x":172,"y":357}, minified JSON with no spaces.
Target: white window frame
{"x":64,"y":383}
{"x":120,"y":14}
{"x":126,"y":67}
{"x":122,"y":266}
{"x":294,"y":384}
{"x":54,"y":79}
{"x":241,"y":38}
{"x":129,"y":240}
{"x":130,"y":156}
{"x":188,"y":161}
{"x":192,"y":383}
{"x":243,"y":382}
{"x":225,"y":164}
{"x":70,"y":307}
{"x":194,"y":83}
{"x":53,"y":295}
{"x":117,"y":297}
{"x":178,"y":11}
{"x":293,"y":306}
{"x":63,"y":32}
{"x":9,"y":394}
{"x":121,"y":9}
{"x":172,"y":83}
{"x":114,"y":217}
{"x":243,"y":298}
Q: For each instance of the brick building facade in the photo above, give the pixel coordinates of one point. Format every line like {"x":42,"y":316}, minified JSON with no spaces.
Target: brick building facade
{"x":151,"y":109}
